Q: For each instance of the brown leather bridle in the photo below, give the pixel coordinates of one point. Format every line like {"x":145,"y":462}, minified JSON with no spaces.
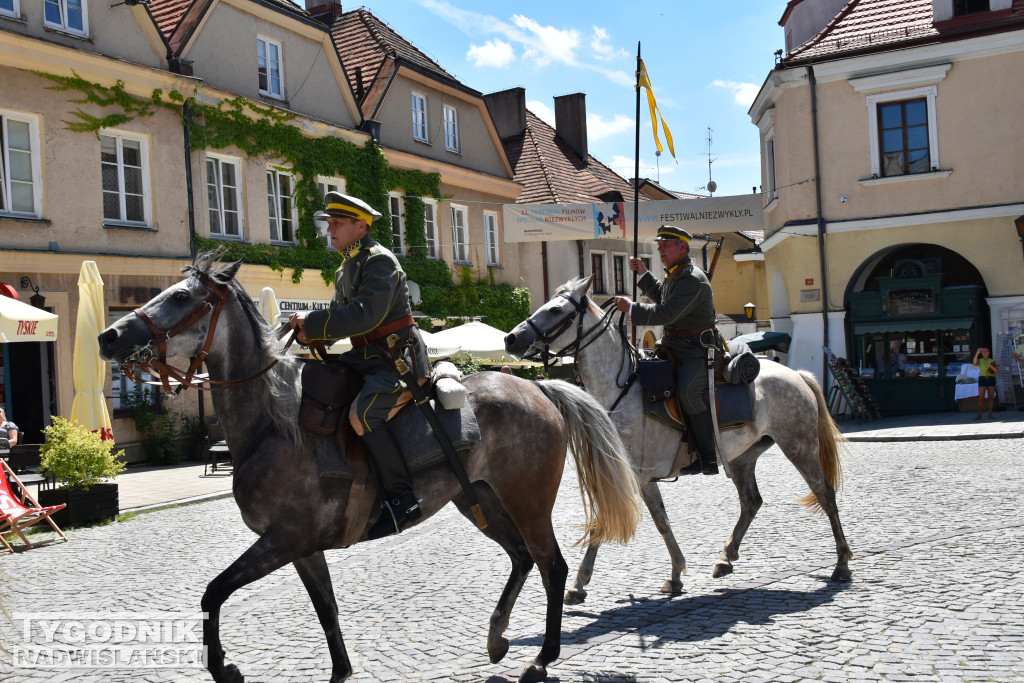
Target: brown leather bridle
{"x":143,"y":359}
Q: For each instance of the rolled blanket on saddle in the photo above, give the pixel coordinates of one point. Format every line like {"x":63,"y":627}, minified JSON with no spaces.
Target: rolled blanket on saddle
{"x":742,"y":367}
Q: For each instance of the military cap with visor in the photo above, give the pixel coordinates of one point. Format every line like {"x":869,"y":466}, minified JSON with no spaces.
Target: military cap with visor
{"x":671,"y":232}
{"x":344,"y":206}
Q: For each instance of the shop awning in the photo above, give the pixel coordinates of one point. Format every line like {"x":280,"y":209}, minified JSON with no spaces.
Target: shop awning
{"x":913,"y":326}
{"x":21,"y":322}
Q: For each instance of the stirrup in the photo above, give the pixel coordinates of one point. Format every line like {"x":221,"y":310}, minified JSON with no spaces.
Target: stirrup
{"x":391,"y":523}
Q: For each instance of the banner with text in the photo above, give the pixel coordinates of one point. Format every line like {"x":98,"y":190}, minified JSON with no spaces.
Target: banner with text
{"x":614,"y":220}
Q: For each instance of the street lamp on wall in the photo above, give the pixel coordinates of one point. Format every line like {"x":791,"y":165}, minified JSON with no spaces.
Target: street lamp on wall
{"x":1020,"y":231}
{"x":37,"y":299}
{"x":749,"y":310}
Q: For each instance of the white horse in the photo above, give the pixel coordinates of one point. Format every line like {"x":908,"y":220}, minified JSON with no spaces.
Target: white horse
{"x":789,"y":410}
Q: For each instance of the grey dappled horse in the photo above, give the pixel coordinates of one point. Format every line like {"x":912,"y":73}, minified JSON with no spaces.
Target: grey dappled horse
{"x":298,"y":514}
{"x":789,"y":410}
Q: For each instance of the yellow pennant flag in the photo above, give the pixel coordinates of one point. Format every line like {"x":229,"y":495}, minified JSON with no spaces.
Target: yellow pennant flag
{"x":643,"y":81}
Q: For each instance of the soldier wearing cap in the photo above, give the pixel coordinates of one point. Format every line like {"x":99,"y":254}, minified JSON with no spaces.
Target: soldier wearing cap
{"x":684,"y":307}
{"x":371,"y":302}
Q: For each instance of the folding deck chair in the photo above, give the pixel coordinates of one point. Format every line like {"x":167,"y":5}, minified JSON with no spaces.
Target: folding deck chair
{"x":20,"y":511}
{"x":5,"y":547}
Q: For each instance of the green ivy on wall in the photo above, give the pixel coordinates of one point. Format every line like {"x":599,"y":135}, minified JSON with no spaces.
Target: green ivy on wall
{"x":260,"y":131}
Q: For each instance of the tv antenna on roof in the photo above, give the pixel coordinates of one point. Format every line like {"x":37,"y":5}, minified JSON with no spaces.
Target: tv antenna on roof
{"x":712,"y":185}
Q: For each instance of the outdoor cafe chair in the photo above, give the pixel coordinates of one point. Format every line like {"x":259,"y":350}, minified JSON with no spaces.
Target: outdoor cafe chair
{"x":5,"y":547}
{"x":20,"y":511}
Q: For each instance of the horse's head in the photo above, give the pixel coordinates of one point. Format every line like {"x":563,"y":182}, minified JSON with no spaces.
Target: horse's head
{"x":552,"y":323}
{"x":176,"y":322}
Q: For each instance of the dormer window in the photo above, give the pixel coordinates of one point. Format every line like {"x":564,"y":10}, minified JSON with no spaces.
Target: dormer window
{"x":964,"y":7}
{"x":69,"y":16}
{"x":268,"y":64}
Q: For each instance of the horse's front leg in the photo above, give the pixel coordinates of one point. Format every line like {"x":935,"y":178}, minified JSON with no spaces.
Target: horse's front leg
{"x":317,"y":580}
{"x":652,"y":497}
{"x":269,"y":552}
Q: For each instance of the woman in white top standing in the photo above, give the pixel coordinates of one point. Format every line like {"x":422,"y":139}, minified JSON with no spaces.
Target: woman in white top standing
{"x":8,"y":430}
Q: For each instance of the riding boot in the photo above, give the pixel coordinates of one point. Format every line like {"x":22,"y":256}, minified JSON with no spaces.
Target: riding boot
{"x":400,"y":507}
{"x":704,"y":439}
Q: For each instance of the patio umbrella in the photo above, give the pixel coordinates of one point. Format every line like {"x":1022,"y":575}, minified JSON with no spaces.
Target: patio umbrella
{"x":764,"y":340}
{"x":268,"y":306}
{"x":90,"y":408}
{"x":21,"y":322}
{"x":480,"y":340}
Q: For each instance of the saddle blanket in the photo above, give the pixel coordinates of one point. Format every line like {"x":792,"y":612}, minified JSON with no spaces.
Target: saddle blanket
{"x":414,"y":436}
{"x":735,"y":407}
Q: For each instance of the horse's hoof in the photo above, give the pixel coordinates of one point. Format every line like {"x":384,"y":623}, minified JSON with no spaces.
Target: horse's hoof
{"x":575,"y":597}
{"x":672,"y":587}
{"x":842,"y":574}
{"x":721,"y":569}
{"x":230,"y":674}
{"x":498,"y":650}
{"x":535,"y":673}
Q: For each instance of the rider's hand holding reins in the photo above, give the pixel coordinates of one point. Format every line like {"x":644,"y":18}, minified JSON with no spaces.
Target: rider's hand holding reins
{"x":297,"y":321}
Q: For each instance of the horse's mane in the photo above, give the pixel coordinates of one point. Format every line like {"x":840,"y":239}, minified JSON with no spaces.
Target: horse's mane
{"x":571,"y":286}
{"x":283,"y":392}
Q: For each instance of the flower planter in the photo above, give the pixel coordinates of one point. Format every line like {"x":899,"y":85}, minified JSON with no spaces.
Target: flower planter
{"x":99,"y":502}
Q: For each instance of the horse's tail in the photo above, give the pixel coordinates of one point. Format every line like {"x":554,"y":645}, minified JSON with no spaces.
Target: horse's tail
{"x":608,"y":484}
{"x":830,"y":439}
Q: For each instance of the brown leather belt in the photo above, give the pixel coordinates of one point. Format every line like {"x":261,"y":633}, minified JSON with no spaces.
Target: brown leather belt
{"x":672,"y":333}
{"x":382,"y":331}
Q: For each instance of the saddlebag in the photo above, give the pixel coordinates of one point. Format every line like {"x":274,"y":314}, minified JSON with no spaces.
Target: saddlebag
{"x":325,"y":393}
{"x":658,"y":380}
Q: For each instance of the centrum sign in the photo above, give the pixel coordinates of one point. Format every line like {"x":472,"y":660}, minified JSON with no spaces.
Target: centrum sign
{"x":614,"y":220}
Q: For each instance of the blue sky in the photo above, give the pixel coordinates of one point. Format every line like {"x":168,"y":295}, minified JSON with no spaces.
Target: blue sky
{"x":706,"y":61}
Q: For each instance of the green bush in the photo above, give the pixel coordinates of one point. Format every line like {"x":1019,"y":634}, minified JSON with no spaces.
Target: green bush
{"x":159,"y":431}
{"x":76,"y":457}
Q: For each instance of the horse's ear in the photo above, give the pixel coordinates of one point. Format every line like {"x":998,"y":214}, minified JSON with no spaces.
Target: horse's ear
{"x":230,"y":270}
{"x":581,"y":291}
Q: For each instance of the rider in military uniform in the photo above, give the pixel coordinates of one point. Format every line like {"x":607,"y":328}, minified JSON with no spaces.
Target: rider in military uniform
{"x":683,"y":305}
{"x":371,"y":302}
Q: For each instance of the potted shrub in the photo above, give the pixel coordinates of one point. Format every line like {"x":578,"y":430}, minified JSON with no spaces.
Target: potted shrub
{"x":78,"y":464}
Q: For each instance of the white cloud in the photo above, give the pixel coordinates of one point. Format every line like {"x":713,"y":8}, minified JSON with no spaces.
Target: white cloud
{"x":547,"y":44}
{"x":543,"y":111}
{"x":598,"y":128}
{"x":742,"y":93}
{"x":604,"y":50}
{"x":494,"y":52}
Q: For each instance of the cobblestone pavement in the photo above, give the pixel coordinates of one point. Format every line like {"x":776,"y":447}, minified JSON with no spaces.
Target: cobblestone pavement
{"x":937,"y":593}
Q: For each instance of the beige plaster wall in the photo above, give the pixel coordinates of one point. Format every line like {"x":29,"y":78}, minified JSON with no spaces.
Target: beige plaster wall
{"x":794,"y":160}
{"x":72,"y":202}
{"x":224,"y":55}
{"x":112,"y":31}
{"x":478,"y":149}
{"x":796,"y":259}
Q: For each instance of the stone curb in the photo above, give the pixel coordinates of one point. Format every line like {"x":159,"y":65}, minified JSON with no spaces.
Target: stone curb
{"x":933,"y":437}
{"x":177,"y":503}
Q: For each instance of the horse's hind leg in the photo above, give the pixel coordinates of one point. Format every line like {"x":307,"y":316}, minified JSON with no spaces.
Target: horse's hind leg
{"x":652,"y":497}
{"x":502,"y":531}
{"x":532,"y":517}
{"x":578,"y":593}
{"x":317,"y":580}
{"x":268,"y":553}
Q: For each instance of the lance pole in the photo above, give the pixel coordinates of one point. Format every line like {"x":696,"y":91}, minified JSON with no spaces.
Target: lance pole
{"x":636,"y":183}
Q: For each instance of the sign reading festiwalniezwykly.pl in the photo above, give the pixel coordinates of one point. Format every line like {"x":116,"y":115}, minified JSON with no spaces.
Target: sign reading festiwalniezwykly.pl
{"x":614,"y":220}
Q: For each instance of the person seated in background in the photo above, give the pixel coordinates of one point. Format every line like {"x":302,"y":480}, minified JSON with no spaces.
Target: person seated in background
{"x":8,"y":430}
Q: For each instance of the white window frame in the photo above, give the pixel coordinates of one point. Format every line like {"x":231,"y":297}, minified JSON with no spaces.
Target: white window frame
{"x":771,"y":192}
{"x":451,"y":129}
{"x":625,"y":272}
{"x":396,"y":206}
{"x":323,"y":186}
{"x":491,"y":242}
{"x":274,"y":198}
{"x":5,"y":165}
{"x":147,"y":193}
{"x":121,"y":387}
{"x":218,"y":230}
{"x":603,"y":255}
{"x":62,"y":26}
{"x":419,"y":117}
{"x":460,"y":237}
{"x":430,"y":208}
{"x":267,"y":43}
{"x":929,"y":93}
{"x":15,"y":10}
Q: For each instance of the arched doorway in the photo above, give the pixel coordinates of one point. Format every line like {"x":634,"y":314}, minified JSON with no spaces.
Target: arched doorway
{"x":917,"y":313}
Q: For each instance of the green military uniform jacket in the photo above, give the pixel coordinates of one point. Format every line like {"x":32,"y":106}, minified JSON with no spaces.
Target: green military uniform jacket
{"x":683,"y":302}
{"x":370,"y":291}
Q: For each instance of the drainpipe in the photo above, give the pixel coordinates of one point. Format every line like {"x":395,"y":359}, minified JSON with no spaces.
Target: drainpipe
{"x":544,"y":267}
{"x":185,"y":111}
{"x":821,"y":221}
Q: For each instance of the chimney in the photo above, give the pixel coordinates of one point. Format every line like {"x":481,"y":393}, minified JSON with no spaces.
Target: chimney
{"x":324,"y":11}
{"x":508,"y":111}
{"x":571,"y":122}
